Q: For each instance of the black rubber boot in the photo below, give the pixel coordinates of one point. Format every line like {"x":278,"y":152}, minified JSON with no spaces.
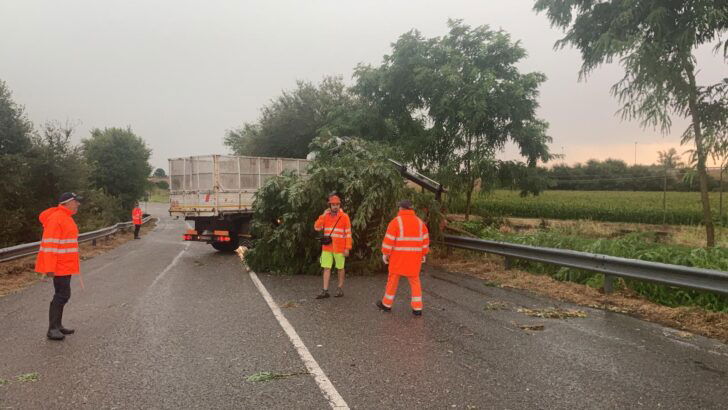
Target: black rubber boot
{"x":54,"y":323}
{"x":417,"y":312}
{"x":380,"y":305}
{"x":64,"y":330}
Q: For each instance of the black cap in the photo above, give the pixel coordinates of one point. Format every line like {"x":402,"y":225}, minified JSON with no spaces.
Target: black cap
{"x":405,"y":203}
{"x":67,"y":196}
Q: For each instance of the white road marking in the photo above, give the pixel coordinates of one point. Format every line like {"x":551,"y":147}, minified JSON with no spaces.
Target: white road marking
{"x":328,"y":389}
{"x":174,"y":262}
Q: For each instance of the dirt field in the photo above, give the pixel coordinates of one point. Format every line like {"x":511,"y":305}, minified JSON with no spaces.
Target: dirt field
{"x":19,"y":274}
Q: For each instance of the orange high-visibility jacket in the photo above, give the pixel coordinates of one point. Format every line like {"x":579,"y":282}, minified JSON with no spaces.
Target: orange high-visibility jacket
{"x":136,"y":216}
{"x":59,"y":246}
{"x":406,"y":242}
{"x":340,"y":233}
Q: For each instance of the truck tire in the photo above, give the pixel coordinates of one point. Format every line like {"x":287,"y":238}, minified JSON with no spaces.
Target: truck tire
{"x":226,"y":246}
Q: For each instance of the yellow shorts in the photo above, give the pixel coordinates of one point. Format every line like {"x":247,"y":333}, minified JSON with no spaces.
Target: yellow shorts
{"x":328,"y":259}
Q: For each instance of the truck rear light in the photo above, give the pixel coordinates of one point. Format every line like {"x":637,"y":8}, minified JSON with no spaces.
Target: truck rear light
{"x":187,"y":237}
{"x":222,"y":238}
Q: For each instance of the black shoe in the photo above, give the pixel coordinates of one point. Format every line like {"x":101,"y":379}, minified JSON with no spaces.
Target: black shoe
{"x":339,"y":293}
{"x":417,"y":312}
{"x":54,"y":323}
{"x":64,"y":330}
{"x":380,"y":305}
{"x":323,"y":295}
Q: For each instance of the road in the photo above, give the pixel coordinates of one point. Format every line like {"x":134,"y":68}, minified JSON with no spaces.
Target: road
{"x":165,"y":324}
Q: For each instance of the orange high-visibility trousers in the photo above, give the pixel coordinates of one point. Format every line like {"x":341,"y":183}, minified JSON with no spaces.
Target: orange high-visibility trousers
{"x":391,"y":290}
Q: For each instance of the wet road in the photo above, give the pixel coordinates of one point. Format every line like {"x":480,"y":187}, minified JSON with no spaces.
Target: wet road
{"x":164,"y":324}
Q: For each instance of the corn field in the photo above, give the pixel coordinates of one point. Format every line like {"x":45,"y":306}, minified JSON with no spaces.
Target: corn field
{"x":681,"y":208}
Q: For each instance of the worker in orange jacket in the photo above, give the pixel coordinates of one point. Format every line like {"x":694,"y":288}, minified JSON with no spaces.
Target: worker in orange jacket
{"x":335,"y":243}
{"x":405,"y":248}
{"x":58,"y":257}
{"x":136,"y":218}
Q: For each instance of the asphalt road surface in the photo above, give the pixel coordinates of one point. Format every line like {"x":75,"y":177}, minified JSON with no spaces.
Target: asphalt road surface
{"x":165,"y":324}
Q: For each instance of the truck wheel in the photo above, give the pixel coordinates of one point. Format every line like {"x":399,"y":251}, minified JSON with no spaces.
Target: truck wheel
{"x":226,"y":246}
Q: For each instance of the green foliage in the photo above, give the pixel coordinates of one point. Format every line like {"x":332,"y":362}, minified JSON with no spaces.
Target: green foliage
{"x":15,"y":128}
{"x":290,"y":122}
{"x":286,"y":208}
{"x":654,"y":41}
{"x":162,"y":185}
{"x":633,"y":246}
{"x":616,"y":175}
{"x":159,"y":173}
{"x":27,"y":377}
{"x":457,"y":100}
{"x":119,"y":162}
{"x":683,"y":208}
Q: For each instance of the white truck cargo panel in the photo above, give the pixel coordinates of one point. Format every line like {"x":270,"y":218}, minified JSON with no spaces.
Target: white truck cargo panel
{"x":211,"y":185}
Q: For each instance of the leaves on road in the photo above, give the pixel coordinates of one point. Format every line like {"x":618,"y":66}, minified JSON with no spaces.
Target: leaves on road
{"x":552,"y":313}
{"x":27,"y":377}
{"x":268,"y":376}
{"x":496,"y":306}
{"x":532,"y":327}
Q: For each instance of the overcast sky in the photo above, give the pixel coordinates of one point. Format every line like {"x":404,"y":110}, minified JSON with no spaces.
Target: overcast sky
{"x":181,"y":73}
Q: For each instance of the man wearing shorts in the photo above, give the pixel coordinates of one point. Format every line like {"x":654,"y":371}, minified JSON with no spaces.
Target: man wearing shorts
{"x":336,"y":225}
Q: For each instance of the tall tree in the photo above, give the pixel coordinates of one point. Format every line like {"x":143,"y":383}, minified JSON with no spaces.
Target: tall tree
{"x":457,"y":100}
{"x":159,"y":173}
{"x":290,"y":122}
{"x":669,"y":159}
{"x":15,"y":145}
{"x":119,"y":162}
{"x":654,"y":41}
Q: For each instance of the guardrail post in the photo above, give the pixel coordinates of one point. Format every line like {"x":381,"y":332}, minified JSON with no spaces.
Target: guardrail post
{"x":608,"y":283}
{"x":508,"y":262}
{"x":93,"y":242}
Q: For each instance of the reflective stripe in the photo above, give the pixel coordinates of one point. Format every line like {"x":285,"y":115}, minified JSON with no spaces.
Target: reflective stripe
{"x":427,"y":245}
{"x":418,"y":309}
{"x":342,"y":230}
{"x":339,"y":236}
{"x":391,"y":237}
{"x":420,"y":223}
{"x":426,"y":236}
{"x":401,"y":226}
{"x":417,"y":298}
{"x":409,"y":238}
{"x":408,"y":249}
{"x":387,"y":305}
{"x":56,"y":250}
{"x":387,"y":246}
{"x":54,"y":240}
{"x":388,"y":296}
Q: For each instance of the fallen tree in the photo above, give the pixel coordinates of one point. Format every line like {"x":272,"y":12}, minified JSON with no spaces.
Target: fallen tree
{"x":286,"y":207}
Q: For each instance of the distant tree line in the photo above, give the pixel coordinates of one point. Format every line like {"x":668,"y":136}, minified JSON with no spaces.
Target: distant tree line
{"x":109,"y":168}
{"x":616,"y":175}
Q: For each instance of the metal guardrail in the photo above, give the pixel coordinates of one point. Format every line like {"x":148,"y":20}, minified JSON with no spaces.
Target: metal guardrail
{"x":611,"y":266}
{"x":26,"y":249}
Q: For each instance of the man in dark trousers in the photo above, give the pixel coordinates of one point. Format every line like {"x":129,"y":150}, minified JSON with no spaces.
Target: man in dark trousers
{"x":136,"y":218}
{"x":58,"y":257}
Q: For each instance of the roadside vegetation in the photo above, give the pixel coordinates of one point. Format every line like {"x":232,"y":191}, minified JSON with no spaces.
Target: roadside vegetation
{"x":109,"y":169}
{"x":635,"y":245}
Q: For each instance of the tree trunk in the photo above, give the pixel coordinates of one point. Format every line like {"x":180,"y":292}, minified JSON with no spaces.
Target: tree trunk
{"x":700,"y":149}
{"x":469,"y":197}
